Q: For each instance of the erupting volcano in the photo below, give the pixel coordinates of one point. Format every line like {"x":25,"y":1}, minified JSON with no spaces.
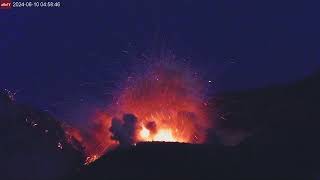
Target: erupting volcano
{"x":166,"y":103}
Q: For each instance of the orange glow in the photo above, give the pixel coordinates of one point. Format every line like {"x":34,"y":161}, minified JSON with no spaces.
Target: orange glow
{"x":164,"y":135}
{"x":168,"y":102}
{"x":144,"y":133}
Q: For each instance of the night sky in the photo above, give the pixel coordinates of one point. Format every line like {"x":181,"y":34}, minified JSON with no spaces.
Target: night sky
{"x":70,"y":60}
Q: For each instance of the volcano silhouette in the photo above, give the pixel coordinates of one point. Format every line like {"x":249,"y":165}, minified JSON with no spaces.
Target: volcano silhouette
{"x":283,"y":123}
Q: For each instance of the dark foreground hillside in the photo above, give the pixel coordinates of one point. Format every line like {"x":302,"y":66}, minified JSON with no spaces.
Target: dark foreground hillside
{"x":33,"y":144}
{"x":281,"y":142}
{"x":186,"y":161}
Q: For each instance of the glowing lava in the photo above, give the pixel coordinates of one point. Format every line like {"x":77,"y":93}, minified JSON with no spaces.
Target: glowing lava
{"x":164,"y":135}
{"x":168,"y":102}
{"x":144,"y":133}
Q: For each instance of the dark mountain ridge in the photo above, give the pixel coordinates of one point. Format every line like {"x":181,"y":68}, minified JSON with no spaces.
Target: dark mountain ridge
{"x":282,"y":124}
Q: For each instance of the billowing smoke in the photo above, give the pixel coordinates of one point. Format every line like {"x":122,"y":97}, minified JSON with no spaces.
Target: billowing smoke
{"x":168,"y":103}
{"x":124,"y":130}
{"x":152,"y":127}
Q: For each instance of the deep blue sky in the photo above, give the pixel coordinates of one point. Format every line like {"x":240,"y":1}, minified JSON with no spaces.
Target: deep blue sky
{"x":69,"y":60}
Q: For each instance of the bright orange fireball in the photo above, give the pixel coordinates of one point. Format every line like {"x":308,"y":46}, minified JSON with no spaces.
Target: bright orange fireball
{"x":168,"y":102}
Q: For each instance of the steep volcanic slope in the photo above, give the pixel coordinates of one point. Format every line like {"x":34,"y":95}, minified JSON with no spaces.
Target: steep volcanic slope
{"x":33,"y":144}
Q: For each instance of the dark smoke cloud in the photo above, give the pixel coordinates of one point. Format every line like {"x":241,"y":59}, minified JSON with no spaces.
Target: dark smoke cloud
{"x":152,"y":127}
{"x":124,"y":130}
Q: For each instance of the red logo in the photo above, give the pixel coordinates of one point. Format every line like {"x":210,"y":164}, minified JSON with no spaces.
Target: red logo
{"x":5,"y":4}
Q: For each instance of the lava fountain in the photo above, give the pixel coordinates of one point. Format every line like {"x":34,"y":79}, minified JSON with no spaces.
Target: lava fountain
{"x":167,"y":103}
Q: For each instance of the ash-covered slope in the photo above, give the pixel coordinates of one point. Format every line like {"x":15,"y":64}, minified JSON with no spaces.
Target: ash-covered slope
{"x":283,"y":123}
{"x":33,"y":144}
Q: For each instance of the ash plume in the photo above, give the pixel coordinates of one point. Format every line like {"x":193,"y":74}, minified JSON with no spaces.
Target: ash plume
{"x":152,"y":126}
{"x":168,"y":103}
{"x":124,"y":130}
